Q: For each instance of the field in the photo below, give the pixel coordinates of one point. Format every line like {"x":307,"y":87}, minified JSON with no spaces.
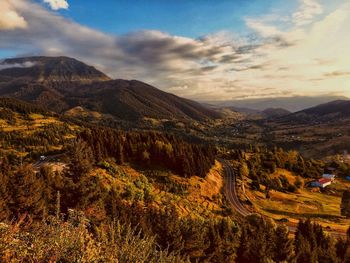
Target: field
{"x":28,"y":135}
{"x":322,"y":207}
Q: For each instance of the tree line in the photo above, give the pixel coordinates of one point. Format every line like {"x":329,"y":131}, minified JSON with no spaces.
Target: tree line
{"x":150,"y":149}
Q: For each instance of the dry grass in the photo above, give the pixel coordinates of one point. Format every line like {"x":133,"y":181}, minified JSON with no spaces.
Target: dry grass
{"x":321,"y":207}
{"x":202,"y":199}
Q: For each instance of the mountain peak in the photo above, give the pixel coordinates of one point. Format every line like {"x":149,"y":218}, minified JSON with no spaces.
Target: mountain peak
{"x":50,"y":69}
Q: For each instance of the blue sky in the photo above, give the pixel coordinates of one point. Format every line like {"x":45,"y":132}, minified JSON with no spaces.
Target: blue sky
{"x":199,"y":49}
{"x":187,"y":18}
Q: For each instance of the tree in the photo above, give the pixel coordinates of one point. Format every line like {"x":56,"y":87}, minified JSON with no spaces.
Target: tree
{"x":244,"y":170}
{"x":283,"y":245}
{"x":260,"y":248}
{"x":5,"y":197}
{"x":303,"y":251}
{"x":81,"y":160}
{"x":28,"y":191}
{"x":345,"y":204}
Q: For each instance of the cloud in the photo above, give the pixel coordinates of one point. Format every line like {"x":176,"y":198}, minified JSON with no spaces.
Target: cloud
{"x":4,"y":65}
{"x":57,"y":4}
{"x":283,"y":58}
{"x":307,"y":11}
{"x":10,"y":19}
{"x":261,"y":28}
{"x":338,"y":74}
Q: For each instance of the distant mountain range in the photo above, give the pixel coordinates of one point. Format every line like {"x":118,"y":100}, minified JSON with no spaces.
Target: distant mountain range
{"x":247,"y":113}
{"x":62,"y":83}
{"x":292,"y":104}
{"x":338,"y":107}
{"x":328,"y":112}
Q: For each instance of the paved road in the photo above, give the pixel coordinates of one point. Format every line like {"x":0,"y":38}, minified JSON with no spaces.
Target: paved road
{"x":231,"y":191}
{"x":236,"y":204}
{"x":40,"y":163}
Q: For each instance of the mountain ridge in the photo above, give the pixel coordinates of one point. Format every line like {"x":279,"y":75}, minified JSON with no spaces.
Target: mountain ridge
{"x":62,"y":83}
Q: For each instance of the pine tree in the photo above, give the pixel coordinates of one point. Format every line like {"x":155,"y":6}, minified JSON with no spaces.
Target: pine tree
{"x":27,"y":192}
{"x":303,"y":251}
{"x":283,"y":245}
{"x":345,"y":204}
{"x":81,"y":160}
{"x":5,"y":197}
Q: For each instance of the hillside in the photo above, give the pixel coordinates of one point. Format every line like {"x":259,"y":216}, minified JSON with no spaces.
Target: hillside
{"x":98,"y":188}
{"x":339,"y":107}
{"x":60,"y":84}
{"x":275,"y":112}
{"x":292,"y":104}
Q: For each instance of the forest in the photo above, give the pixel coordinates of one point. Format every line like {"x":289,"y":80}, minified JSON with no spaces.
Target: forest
{"x":76,"y":216}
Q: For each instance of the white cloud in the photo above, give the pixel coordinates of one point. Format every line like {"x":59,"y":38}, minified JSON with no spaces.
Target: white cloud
{"x":57,"y":4}
{"x":282,"y":61}
{"x":10,"y":19}
{"x":307,"y":11}
{"x":27,"y":64}
{"x":261,"y":28}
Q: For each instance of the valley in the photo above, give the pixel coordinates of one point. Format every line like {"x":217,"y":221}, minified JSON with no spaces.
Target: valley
{"x":76,"y":140}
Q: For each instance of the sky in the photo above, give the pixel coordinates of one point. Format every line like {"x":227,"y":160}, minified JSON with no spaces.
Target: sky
{"x":200,"y":49}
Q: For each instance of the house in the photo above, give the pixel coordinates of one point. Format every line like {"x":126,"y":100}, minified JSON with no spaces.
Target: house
{"x":323,"y":182}
{"x":329,"y":176}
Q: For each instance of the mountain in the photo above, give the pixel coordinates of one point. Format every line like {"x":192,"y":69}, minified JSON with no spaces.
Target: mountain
{"x":338,"y":107}
{"x":275,"y":112}
{"x":49,"y":69}
{"x":327,"y":112}
{"x":247,"y":113}
{"x":292,"y":104}
{"x":62,"y":83}
{"x":316,"y":132}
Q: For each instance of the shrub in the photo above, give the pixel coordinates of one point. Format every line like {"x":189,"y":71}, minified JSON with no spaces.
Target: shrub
{"x":56,"y":240}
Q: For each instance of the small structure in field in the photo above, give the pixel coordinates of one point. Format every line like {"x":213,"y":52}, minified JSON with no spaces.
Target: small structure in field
{"x":329,"y":176}
{"x":322,"y":183}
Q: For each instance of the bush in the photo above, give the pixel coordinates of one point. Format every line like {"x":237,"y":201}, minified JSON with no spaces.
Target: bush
{"x":56,"y":240}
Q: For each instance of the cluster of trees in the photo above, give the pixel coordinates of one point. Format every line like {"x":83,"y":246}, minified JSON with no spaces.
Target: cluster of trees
{"x":345,"y":204}
{"x":70,"y":240}
{"x":150,"y":149}
{"x":262,"y":241}
{"x":206,"y":240}
{"x":260,"y":163}
{"x":48,"y":136}
{"x":21,"y":107}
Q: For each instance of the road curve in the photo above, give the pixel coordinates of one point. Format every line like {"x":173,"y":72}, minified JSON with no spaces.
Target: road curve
{"x":231,"y":191}
{"x":236,"y":204}
{"x":40,"y":163}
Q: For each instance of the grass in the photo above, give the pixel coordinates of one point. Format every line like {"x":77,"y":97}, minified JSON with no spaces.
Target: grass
{"x":306,"y":203}
{"x":202,"y":199}
{"x":26,"y":127}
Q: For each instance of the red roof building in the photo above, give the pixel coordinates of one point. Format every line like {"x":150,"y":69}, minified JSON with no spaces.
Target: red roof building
{"x":323,"y":182}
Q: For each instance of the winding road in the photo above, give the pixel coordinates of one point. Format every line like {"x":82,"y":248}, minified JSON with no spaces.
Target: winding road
{"x":231,"y":191}
{"x":236,"y":203}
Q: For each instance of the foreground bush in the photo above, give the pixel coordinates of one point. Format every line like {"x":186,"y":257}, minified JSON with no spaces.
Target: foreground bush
{"x":55,"y":240}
